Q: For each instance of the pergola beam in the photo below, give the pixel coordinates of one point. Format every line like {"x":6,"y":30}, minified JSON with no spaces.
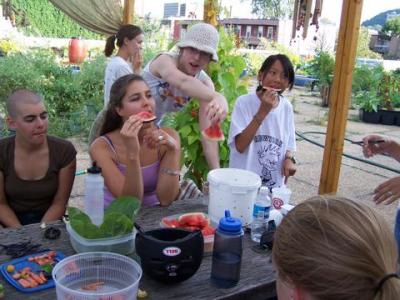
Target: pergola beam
{"x":340,"y":97}
{"x":210,"y":12}
{"x":129,"y":9}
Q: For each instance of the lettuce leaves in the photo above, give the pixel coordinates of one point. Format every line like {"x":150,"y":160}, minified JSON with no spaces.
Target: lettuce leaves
{"x":118,"y":220}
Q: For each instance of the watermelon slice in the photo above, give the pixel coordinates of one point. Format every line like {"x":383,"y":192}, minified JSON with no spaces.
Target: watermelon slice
{"x":271,"y":89}
{"x":146,"y":116}
{"x":213,"y":133}
{"x":193,"y":219}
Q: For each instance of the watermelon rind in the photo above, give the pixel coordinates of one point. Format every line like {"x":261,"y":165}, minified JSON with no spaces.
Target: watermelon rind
{"x":147,"y":119}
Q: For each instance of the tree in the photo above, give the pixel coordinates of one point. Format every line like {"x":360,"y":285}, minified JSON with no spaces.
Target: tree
{"x":272,"y":8}
{"x":392,"y":27}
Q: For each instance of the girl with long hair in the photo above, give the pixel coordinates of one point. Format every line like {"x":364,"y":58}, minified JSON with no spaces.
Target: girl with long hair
{"x":137,"y":158}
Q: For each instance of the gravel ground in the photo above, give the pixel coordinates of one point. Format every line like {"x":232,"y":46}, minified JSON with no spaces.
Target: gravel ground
{"x":357,"y":179}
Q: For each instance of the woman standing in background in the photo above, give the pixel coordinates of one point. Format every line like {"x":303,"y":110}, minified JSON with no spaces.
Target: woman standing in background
{"x":128,"y":60}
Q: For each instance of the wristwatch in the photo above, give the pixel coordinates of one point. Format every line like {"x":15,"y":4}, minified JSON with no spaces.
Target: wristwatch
{"x":292,"y":158}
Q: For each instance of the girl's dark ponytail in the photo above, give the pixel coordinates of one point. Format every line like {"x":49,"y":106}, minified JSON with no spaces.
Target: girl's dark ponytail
{"x":128,"y":31}
{"x":110,"y":45}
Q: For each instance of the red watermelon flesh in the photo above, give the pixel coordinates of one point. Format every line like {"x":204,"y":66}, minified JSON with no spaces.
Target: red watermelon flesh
{"x":191,"y":222}
{"x":271,"y":89}
{"x":213,"y":133}
{"x":193,"y":219}
{"x":146,"y":116}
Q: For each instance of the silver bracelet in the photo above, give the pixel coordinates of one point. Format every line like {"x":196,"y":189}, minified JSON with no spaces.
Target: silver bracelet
{"x":171,"y":172}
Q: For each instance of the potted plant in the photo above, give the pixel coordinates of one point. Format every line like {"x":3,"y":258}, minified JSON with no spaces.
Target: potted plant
{"x":322,"y":67}
{"x":377,"y":94}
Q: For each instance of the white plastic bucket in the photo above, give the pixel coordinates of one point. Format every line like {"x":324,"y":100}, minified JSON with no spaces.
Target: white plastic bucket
{"x":233,"y":189}
{"x":115,"y":276}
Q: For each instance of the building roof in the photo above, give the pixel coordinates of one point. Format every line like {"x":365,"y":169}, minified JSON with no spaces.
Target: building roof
{"x":238,"y":21}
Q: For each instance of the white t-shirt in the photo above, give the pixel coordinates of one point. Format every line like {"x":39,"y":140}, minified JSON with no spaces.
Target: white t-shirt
{"x":276,"y":135}
{"x":116,"y":68}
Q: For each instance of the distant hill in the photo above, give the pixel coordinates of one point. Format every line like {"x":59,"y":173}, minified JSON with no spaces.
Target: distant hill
{"x":379,"y":20}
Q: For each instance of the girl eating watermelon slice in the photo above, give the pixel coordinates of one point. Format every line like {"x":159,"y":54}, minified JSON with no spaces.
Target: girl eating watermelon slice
{"x":136,"y":157}
{"x":262,"y":135}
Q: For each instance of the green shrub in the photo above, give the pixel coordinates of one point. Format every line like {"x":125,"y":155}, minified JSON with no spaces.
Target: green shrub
{"x":72,"y":100}
{"x":41,"y":18}
{"x":373,"y":88}
{"x":254,"y":62}
{"x":8,"y":47}
{"x":322,"y":67}
{"x":366,"y":78}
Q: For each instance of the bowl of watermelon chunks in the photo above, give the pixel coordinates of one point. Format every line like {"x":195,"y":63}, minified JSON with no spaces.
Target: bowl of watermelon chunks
{"x":193,"y":221}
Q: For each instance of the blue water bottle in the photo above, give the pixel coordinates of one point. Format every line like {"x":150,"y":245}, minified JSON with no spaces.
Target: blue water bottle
{"x":227,"y":254}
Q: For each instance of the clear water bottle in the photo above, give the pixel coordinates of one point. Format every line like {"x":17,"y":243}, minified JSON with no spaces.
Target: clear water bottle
{"x":94,"y":195}
{"x":261,"y":210}
{"x":258,"y":227}
{"x":227,"y":254}
{"x":263,"y":203}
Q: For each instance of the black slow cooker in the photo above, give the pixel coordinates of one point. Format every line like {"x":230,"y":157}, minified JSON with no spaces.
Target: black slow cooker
{"x":170,"y":255}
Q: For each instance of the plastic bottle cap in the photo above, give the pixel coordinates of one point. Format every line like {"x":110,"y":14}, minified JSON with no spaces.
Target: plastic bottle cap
{"x":94,"y":169}
{"x":230,"y":225}
{"x":264,"y":190}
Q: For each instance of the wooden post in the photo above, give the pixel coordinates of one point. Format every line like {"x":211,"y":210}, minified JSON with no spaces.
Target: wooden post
{"x":129,"y":10}
{"x":340,"y":97}
{"x":210,"y":12}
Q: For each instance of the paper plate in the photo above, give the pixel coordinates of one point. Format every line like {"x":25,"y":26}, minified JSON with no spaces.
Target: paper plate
{"x":22,"y":262}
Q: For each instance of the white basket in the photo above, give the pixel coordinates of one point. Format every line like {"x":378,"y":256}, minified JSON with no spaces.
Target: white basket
{"x":233,"y":189}
{"x":119,"y":275}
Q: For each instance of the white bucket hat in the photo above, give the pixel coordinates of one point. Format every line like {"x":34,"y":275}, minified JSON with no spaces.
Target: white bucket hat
{"x":203,"y":37}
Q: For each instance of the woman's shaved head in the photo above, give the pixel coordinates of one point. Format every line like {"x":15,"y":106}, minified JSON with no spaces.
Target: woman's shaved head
{"x":20,"y":97}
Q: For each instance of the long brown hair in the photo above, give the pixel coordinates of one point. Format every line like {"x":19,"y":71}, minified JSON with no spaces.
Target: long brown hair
{"x":112,"y":119}
{"x":336,"y":249}
{"x":126,"y":31}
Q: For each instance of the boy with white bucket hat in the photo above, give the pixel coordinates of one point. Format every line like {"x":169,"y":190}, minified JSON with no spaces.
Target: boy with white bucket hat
{"x":175,"y":78}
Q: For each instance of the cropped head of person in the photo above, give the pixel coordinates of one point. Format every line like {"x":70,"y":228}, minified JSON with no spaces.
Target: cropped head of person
{"x":333,"y":248}
{"x":27,"y":115}
{"x":128,"y":38}
{"x":129,"y":95}
{"x":276,"y":72}
{"x":197,"y":48}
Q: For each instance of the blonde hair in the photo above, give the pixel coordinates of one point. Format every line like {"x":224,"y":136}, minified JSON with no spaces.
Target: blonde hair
{"x":335,"y":248}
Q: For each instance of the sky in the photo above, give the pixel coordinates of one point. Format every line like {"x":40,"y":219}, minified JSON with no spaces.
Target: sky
{"x":242,"y":9}
{"x":331,"y":8}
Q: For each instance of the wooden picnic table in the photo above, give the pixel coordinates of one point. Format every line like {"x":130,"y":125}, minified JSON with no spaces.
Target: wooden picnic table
{"x":257,"y":280}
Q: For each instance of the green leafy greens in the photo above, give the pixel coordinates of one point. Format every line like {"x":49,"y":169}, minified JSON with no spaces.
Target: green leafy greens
{"x":118,"y":220}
